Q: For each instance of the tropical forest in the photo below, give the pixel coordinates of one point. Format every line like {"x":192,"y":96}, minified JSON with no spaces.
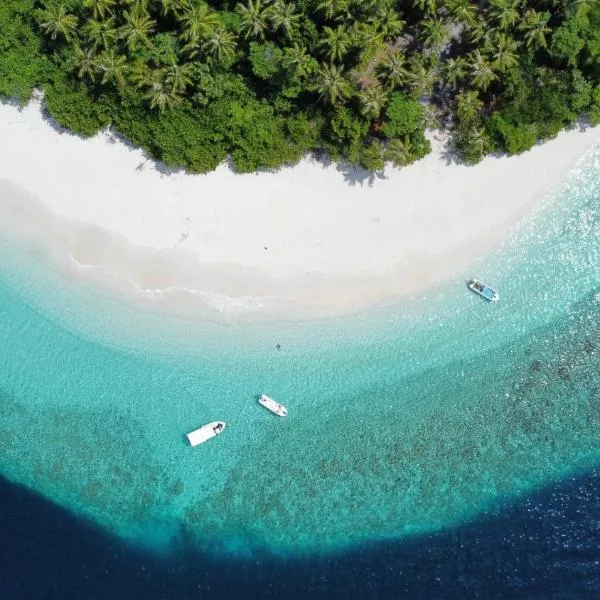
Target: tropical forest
{"x":262,"y":83}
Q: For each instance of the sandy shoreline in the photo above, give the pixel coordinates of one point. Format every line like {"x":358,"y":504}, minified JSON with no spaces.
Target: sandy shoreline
{"x":306,"y":238}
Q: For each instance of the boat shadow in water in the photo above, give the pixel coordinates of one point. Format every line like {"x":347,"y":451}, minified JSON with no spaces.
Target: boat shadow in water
{"x":543,"y":547}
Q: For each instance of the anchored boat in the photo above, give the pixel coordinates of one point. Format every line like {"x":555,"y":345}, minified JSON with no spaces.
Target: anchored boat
{"x":483,"y":290}
{"x":274,"y":407}
{"x":204,"y":433}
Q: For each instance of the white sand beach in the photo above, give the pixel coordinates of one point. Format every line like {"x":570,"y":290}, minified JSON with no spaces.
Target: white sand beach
{"x":309,"y":237}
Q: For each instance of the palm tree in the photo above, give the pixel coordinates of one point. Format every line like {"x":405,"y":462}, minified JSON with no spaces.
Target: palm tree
{"x":140,"y":73}
{"x":113,"y":67}
{"x":429,"y":7}
{"x":454,"y":70}
{"x":334,"y":10}
{"x":159,"y":91}
{"x":283,"y":16}
{"x":173,"y":7}
{"x":577,"y":7}
{"x":468,"y":106}
{"x":137,"y":29}
{"x":220,"y":44}
{"x":179,"y":76}
{"x":99,"y":8}
{"x":368,"y":38}
{"x":477,"y":140}
{"x":56,"y":21}
{"x":391,"y":24}
{"x":435,"y":32}
{"x":481,"y":32}
{"x":331,"y":85}
{"x":376,"y":7}
{"x":140,"y":6}
{"x":393,"y":69}
{"x":253,"y":23}
{"x":372,"y":156}
{"x":473,"y":144}
{"x":399,"y":151}
{"x":101,"y":33}
{"x":462,"y":11}
{"x":505,"y":12}
{"x":504,"y":52}
{"x":481,"y":70}
{"x":298,"y":61}
{"x":84,"y":62}
{"x":337,"y":42}
{"x":372,"y":99}
{"x":198,"y":21}
{"x":423,"y":76}
{"x":535,"y":27}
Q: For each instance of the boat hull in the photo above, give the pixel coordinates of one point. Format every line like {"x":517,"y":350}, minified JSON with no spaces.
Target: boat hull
{"x":205,"y":433}
{"x":483,"y":290}
{"x":275,"y":407}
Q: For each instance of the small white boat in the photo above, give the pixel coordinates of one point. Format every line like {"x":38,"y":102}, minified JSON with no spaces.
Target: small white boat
{"x":274,"y":407}
{"x":204,"y":433}
{"x":483,"y":290}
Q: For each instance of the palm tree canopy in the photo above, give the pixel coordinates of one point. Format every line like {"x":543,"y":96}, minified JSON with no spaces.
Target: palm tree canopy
{"x":429,"y":7}
{"x":101,"y":33}
{"x":254,"y":18}
{"x":393,"y":69}
{"x":331,"y":85}
{"x":57,"y":22}
{"x":159,"y":90}
{"x":198,"y":21}
{"x":455,"y":70}
{"x":334,"y":10}
{"x":220,"y":44}
{"x":468,"y":105}
{"x":479,"y":65}
{"x":137,"y":29}
{"x":298,"y":61}
{"x":435,"y":32}
{"x":423,"y":77}
{"x":462,"y":11}
{"x":372,"y":99}
{"x":84,"y":62}
{"x":535,"y":27}
{"x":399,"y":151}
{"x":481,"y":70}
{"x":504,"y":52}
{"x":113,"y":67}
{"x":179,"y":77}
{"x":284,"y":18}
{"x":336,"y":42}
{"x":100,"y":8}
{"x":505,"y":12}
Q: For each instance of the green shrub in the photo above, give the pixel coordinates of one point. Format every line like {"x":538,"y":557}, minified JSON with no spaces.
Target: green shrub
{"x":265,"y":60}
{"x":23,"y":66}
{"x":344,"y":134}
{"x":403,"y":116}
{"x":71,"y":105}
{"x":516,"y":138}
{"x":594,"y":112}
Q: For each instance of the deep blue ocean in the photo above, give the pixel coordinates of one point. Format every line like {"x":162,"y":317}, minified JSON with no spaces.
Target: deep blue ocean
{"x":442,"y":447}
{"x":545,"y":546}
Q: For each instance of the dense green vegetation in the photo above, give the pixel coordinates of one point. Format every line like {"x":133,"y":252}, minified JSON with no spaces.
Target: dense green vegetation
{"x":266,"y":81}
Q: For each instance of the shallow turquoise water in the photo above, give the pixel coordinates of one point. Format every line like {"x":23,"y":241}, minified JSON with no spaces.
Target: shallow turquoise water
{"x":404,"y":419}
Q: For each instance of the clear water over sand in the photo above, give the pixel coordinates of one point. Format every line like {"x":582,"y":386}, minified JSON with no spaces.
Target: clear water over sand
{"x":404,"y":419}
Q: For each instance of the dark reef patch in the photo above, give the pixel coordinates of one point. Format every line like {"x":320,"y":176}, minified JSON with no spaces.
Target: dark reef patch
{"x":545,"y":546}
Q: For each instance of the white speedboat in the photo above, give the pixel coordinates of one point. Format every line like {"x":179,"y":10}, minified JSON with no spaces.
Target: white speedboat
{"x":483,"y":290}
{"x":204,"y":433}
{"x":274,"y":407}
